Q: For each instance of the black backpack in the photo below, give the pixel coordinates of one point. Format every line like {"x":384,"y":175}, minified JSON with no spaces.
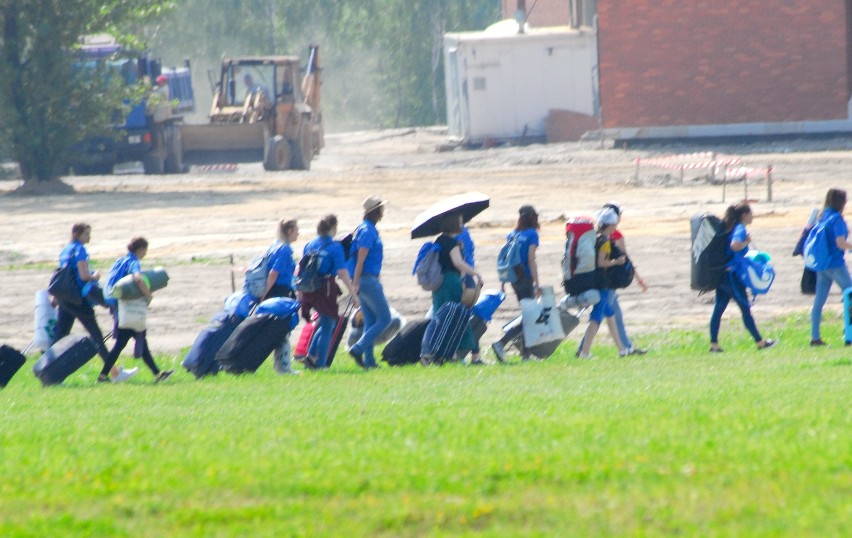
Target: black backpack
{"x":309,"y":279}
{"x":618,"y":276}
{"x":709,"y":252}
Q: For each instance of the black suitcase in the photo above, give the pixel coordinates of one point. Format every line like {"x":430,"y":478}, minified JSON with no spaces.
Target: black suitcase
{"x":445,"y":331}
{"x":11,"y":361}
{"x":545,"y":350}
{"x":404,"y":347}
{"x":201,"y":359}
{"x":252,"y":342}
{"x":64,"y":358}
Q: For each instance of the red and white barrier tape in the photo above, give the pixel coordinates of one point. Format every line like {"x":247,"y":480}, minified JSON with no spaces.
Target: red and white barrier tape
{"x":217,"y":168}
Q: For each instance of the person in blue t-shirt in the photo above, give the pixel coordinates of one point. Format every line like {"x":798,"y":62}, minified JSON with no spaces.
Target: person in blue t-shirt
{"x":130,"y":265}
{"x":365,"y":266}
{"x":836,"y":271}
{"x":75,"y":254}
{"x":737,"y":217}
{"x":282,"y":266}
{"x":527,"y":284}
{"x":279,"y":283}
{"x":332,"y":265}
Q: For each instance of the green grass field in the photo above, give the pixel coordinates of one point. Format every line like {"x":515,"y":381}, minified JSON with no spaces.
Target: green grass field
{"x":678,"y":442}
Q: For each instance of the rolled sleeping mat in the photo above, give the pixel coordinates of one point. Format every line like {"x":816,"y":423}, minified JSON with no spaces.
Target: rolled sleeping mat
{"x":126,"y":288}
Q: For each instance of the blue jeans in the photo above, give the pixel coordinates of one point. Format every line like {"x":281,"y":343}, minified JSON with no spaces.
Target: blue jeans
{"x":731,"y":288}
{"x":321,"y":342}
{"x":824,"y":280}
{"x":619,"y":321}
{"x":377,"y":316}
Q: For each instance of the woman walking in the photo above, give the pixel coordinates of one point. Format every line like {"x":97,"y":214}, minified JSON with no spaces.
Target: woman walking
{"x":130,"y":264}
{"x":365,"y":266}
{"x":606,"y":220}
{"x":527,"y":284}
{"x":332,"y":264}
{"x":76,"y":255}
{"x":279,"y":283}
{"x":737,"y":217}
{"x":454,"y":268}
{"x":837,"y":233}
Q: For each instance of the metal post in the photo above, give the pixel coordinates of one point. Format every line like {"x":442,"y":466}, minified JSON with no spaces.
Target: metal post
{"x":713,"y":169}
{"x":724,"y":185}
{"x":745,"y":186}
{"x":769,"y":183}
{"x":233,"y":281}
{"x":681,"y":174}
{"x":636,"y":175}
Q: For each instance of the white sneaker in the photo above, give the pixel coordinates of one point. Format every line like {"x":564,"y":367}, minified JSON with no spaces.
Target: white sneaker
{"x":499,"y":351}
{"x":624,"y":352}
{"x":125,"y":374}
{"x":583,"y":355}
{"x":289,"y":371}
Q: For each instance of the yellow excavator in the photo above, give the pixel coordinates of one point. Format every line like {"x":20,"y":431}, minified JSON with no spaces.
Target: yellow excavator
{"x":263,"y":110}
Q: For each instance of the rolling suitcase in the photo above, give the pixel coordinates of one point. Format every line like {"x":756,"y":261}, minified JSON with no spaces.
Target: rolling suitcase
{"x":339,"y":329}
{"x":64,"y":358}
{"x":847,"y":316}
{"x":201,"y":359}
{"x":404,"y":348}
{"x":11,"y":361}
{"x":304,"y":341}
{"x":252,"y":342}
{"x":444,"y":333}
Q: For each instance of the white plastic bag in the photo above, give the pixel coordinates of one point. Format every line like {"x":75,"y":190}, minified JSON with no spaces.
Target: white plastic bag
{"x":540,"y":319}
{"x":45,"y":321}
{"x":133,"y":314}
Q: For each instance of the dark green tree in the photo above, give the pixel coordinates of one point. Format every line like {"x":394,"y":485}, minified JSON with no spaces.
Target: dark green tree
{"x":46,"y":105}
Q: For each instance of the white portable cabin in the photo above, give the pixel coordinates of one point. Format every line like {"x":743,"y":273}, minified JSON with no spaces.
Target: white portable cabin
{"x":501,"y":84}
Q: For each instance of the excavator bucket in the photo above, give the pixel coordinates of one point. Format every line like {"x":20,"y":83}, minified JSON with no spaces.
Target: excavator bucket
{"x":224,"y":143}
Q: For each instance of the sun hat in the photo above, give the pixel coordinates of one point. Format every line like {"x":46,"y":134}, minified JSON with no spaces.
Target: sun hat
{"x":372,"y":203}
{"x":606,"y":217}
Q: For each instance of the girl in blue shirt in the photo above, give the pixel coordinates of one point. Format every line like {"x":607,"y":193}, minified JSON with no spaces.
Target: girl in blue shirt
{"x":838,"y":235}
{"x":282,"y":266}
{"x":332,"y":264}
{"x":527,"y":284}
{"x":75,"y":254}
{"x":737,"y":217}
{"x":365,"y":265}
{"x":130,"y":265}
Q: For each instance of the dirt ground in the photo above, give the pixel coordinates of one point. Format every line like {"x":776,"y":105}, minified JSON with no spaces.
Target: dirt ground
{"x":197,"y":220}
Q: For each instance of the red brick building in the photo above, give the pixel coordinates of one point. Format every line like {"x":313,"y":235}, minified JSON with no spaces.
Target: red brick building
{"x":755,"y":66}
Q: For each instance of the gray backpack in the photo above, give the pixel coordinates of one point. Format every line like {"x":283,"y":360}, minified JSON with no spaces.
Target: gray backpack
{"x":427,"y":268}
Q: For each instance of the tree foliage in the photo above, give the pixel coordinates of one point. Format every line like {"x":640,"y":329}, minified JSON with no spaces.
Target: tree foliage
{"x":382,"y":59}
{"x":46,"y":105}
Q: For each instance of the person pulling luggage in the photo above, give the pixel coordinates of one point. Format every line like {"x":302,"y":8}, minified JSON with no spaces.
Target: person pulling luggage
{"x":76,"y":255}
{"x":279,"y":283}
{"x":332,"y":265}
{"x":130,"y":264}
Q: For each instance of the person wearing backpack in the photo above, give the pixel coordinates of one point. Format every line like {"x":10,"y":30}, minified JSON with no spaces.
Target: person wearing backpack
{"x":130,"y":264}
{"x":282,"y":266}
{"x":605,"y":221}
{"x":454,"y":268}
{"x":836,"y":234}
{"x":618,"y":239}
{"x":76,"y":255}
{"x":526,"y":283}
{"x":366,"y":254}
{"x":737,"y":217}
{"x":332,"y":263}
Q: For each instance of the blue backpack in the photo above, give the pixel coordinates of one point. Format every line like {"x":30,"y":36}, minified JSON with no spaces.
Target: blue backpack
{"x":257,"y":273}
{"x":817,"y":250}
{"x":509,"y":260}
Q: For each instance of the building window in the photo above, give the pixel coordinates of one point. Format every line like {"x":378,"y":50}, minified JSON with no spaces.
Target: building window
{"x":583,"y":12}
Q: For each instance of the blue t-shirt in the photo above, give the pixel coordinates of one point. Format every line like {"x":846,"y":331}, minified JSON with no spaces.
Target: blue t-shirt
{"x":835,"y":229}
{"x":367,"y":236}
{"x":467,"y":246}
{"x":122,"y":267}
{"x":282,"y":261}
{"x":525,"y":239}
{"x":738,"y":235}
{"x":331,"y":257}
{"x":80,"y":255}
